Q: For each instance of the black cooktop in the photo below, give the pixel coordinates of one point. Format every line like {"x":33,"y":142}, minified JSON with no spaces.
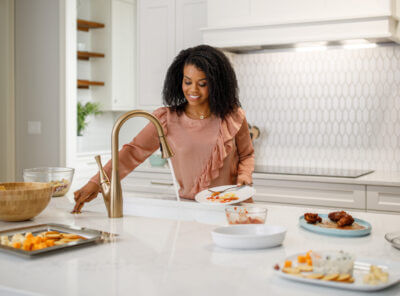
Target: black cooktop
{"x":311,"y":171}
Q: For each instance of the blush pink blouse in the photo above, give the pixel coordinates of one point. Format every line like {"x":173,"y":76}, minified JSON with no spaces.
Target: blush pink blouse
{"x":208,"y":152}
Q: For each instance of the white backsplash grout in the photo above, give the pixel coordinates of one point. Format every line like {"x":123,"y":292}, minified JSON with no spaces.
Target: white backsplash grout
{"x":335,"y":108}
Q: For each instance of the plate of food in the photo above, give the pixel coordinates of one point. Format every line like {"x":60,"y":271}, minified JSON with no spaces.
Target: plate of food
{"x":37,"y":240}
{"x":339,"y":269}
{"x":226,"y":195}
{"x":337,"y":223}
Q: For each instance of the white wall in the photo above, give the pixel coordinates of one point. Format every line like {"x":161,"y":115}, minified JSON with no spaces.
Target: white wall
{"x":7,"y":158}
{"x":37,"y":83}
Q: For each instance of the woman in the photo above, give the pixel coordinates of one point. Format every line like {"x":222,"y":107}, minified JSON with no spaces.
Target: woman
{"x":203,"y":123}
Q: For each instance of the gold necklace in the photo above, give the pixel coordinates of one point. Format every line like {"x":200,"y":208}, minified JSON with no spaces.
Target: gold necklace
{"x":201,"y":116}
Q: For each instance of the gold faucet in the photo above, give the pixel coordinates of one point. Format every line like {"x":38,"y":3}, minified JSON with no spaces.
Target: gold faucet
{"x":112,"y":194}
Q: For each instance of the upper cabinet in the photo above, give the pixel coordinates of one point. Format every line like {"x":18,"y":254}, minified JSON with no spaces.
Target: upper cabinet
{"x":165,"y":28}
{"x":236,"y":23}
{"x":123,"y":54}
{"x":117,"y":41}
{"x":191,"y":16}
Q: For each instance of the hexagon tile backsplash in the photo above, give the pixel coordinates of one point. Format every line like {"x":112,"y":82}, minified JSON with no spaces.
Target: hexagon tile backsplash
{"x":337,"y":108}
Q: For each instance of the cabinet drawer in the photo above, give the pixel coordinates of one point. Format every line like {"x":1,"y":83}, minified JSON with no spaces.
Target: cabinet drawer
{"x":384,"y":198}
{"x":311,"y":193}
{"x":149,"y":182}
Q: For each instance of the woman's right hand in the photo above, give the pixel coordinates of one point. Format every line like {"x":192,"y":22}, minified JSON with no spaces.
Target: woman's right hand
{"x":85,"y":194}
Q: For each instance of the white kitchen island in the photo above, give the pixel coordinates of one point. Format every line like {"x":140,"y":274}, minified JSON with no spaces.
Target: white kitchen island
{"x":165,"y":248}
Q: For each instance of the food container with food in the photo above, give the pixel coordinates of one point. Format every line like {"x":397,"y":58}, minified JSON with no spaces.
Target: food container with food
{"x":330,"y":262}
{"x":60,"y":178}
{"x":38,"y":240}
{"x":245,"y":214}
{"x":23,"y":201}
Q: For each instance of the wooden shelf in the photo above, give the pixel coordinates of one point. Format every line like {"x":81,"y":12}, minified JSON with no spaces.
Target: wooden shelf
{"x":86,"y":25}
{"x":87,"y":83}
{"x":85,"y":55}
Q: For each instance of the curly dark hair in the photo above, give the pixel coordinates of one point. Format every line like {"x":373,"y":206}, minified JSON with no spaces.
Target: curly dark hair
{"x":221,"y":80}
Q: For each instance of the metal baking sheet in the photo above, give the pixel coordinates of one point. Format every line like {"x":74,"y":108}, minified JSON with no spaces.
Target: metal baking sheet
{"x":92,"y":236}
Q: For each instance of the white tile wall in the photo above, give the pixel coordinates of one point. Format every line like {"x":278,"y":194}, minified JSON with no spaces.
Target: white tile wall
{"x":335,"y":108}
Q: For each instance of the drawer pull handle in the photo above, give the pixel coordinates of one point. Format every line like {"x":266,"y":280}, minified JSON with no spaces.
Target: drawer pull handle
{"x":161,"y":183}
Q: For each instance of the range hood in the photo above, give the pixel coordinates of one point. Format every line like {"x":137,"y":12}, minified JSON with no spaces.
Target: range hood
{"x":259,"y":24}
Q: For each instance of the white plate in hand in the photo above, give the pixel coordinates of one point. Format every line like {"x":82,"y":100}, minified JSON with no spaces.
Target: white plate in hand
{"x":242,"y":194}
{"x":361,"y":267}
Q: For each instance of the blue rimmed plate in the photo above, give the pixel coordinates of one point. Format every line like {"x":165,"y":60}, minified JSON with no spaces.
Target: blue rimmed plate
{"x":337,"y":231}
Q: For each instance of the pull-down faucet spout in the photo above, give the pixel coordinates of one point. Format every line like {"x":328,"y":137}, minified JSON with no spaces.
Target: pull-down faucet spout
{"x":112,"y":194}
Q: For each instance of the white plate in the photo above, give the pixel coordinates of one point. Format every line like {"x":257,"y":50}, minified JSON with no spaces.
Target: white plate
{"x":250,"y":236}
{"x":361,"y":267}
{"x":242,"y":193}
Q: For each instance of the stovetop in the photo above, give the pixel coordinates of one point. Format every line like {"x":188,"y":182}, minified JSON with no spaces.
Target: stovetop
{"x":311,"y":171}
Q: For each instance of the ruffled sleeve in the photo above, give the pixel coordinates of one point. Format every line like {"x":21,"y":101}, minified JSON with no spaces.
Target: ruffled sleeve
{"x":141,"y":147}
{"x":230,"y":126}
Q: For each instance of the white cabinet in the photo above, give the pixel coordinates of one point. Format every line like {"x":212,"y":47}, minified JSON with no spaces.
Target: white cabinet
{"x":123,"y":54}
{"x":117,"y":69}
{"x":156,"y":49}
{"x":149,"y":182}
{"x":165,"y":27}
{"x":239,"y":23}
{"x":311,"y":193}
{"x":191,"y":16}
{"x":245,"y":12}
{"x":383,"y":198}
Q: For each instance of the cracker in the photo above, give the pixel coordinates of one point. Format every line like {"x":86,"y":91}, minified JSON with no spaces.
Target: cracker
{"x":315,"y":276}
{"x":71,"y":236}
{"x":52,"y":232}
{"x":305,"y":268}
{"x":350,"y":280}
{"x":330,"y":277}
{"x":59,"y":242}
{"x":291,"y":270}
{"x":54,"y":236}
{"x":343,"y":277}
{"x":68,"y":240}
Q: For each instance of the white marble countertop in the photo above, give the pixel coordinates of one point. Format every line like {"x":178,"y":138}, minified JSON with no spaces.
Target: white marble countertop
{"x":165,"y":248}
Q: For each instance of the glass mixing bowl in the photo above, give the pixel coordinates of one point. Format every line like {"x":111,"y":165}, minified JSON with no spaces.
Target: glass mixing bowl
{"x":245,"y":214}
{"x":60,"y":178}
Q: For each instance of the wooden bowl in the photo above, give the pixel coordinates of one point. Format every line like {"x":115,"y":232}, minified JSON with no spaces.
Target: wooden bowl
{"x":23,"y":201}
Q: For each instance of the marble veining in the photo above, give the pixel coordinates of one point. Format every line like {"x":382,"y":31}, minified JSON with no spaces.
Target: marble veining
{"x":160,"y":252}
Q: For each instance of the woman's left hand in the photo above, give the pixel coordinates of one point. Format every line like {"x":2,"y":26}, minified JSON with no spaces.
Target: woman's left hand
{"x":241,"y":180}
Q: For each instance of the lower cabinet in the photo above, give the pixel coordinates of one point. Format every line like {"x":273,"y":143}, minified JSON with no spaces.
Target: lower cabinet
{"x":383,"y":198}
{"x":311,"y":193}
{"x":149,"y":182}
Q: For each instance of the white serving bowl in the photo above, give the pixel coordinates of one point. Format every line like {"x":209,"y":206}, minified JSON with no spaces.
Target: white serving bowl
{"x":250,"y":236}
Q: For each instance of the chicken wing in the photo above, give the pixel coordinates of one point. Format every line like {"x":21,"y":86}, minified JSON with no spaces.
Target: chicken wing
{"x":312,"y":218}
{"x":345,"y":220}
{"x":336,"y":216}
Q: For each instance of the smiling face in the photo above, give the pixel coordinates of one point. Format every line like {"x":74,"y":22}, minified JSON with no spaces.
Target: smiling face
{"x":195,"y":87}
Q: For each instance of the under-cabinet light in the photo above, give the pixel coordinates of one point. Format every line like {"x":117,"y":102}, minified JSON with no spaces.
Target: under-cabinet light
{"x":311,"y":48}
{"x":359,"y":46}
